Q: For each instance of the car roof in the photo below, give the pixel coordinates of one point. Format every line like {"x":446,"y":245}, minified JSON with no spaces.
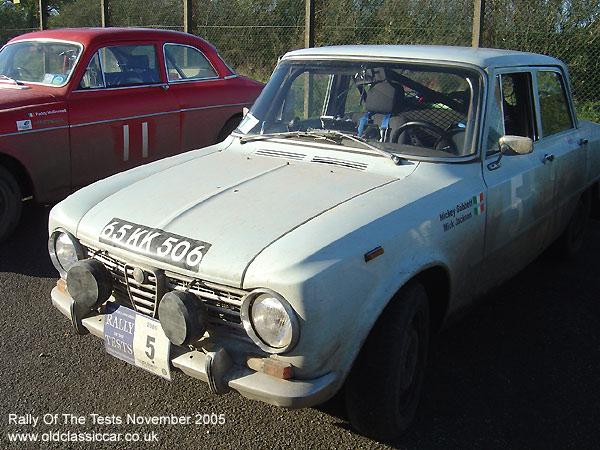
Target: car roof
{"x":485,"y":58}
{"x":98,"y":36}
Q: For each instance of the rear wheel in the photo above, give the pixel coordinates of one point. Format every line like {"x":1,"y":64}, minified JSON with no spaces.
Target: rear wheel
{"x":229,"y":126}
{"x":570,"y":243}
{"x":383,"y":388}
{"x":10,"y":203}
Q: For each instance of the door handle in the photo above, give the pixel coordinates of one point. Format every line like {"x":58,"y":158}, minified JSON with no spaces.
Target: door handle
{"x":548,"y":158}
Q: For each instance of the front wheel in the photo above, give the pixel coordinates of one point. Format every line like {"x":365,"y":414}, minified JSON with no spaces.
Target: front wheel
{"x":383,"y":389}
{"x":10,"y":203}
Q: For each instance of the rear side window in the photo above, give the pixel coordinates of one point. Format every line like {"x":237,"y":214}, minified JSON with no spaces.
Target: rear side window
{"x":121,"y":65}
{"x":187,"y":63}
{"x":554,"y":106}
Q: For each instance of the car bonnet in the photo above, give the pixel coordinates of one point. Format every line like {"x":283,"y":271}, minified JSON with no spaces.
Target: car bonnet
{"x":235,"y":204}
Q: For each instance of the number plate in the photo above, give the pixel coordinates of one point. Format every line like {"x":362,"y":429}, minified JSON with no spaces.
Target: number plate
{"x":137,"y":339}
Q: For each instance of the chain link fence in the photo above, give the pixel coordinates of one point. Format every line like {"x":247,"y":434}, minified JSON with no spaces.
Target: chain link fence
{"x":252,"y":34}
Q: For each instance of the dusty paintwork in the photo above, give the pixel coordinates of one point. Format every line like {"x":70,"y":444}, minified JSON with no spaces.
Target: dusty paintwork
{"x":294,"y":205}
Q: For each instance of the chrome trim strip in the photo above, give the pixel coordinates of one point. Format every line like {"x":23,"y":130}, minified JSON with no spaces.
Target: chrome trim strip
{"x":34,"y":131}
{"x":216,"y":106}
{"x":159,"y":114}
{"x":125,"y":118}
{"x":144,"y":139}
{"x":125,"y":142}
{"x":118,"y":88}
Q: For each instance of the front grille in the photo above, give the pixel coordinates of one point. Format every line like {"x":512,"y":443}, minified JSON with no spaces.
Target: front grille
{"x":223,"y":302}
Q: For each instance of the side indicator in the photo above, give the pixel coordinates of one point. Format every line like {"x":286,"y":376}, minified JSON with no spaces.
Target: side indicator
{"x":372,"y":254}
{"x":270,"y":367}
{"x":62,"y":286}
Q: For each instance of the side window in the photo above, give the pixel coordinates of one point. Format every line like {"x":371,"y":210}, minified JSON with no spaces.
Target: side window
{"x":122,"y":65}
{"x":554,"y":107}
{"x":511,"y":111}
{"x":92,"y":78}
{"x":187,"y":63}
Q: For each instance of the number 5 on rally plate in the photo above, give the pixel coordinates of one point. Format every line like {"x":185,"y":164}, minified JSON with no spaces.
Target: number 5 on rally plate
{"x":136,"y":339}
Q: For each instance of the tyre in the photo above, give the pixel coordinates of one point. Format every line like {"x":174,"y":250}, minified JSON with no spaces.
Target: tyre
{"x":383,"y":388}
{"x":229,"y":126}
{"x":10,"y":203}
{"x":570,"y":243}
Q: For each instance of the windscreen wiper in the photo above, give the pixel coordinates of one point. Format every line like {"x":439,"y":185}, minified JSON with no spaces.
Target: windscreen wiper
{"x":329,"y":133}
{"x":6,"y":77}
{"x":285,"y":134}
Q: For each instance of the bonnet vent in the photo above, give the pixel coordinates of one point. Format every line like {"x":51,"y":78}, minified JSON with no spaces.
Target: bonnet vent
{"x":280,"y":154}
{"x":340,"y":162}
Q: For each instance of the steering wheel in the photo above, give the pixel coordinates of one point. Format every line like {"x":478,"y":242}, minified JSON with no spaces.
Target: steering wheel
{"x":443,"y":135}
{"x":23,"y":71}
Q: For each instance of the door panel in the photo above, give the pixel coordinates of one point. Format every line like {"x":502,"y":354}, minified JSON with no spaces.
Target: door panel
{"x":520,"y":190}
{"x":206,"y":100}
{"x":560,"y":140}
{"x":121,"y":116}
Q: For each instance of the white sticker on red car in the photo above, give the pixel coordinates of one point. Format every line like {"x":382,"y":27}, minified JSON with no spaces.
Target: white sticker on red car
{"x":23,"y":125}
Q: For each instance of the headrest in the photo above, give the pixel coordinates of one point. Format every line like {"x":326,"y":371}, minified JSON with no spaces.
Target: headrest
{"x":140,"y":62}
{"x":383,"y":98}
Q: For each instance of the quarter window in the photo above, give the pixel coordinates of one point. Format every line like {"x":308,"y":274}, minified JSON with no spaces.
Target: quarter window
{"x":554,"y":107}
{"x":187,"y":63}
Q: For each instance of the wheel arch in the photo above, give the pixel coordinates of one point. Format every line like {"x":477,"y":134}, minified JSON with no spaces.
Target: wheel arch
{"x":436,"y":281}
{"x":18,"y":170}
{"x":228,"y":126}
{"x":595,"y":197}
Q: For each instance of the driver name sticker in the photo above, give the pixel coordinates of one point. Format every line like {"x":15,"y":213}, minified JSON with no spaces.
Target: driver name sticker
{"x":157,"y":244}
{"x":463,"y":211}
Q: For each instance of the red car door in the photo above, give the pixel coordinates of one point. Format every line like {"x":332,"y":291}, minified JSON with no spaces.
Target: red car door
{"x":208,"y":98}
{"x":122,"y":114}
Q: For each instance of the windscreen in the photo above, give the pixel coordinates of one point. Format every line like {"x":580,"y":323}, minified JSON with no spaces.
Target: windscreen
{"x":421,"y":110}
{"x":49,"y":63}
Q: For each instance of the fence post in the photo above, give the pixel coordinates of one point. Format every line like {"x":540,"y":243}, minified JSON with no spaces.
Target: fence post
{"x":309,"y":27}
{"x":43,"y":5}
{"x":104,"y":13}
{"x":478,"y":12}
{"x":187,"y":16}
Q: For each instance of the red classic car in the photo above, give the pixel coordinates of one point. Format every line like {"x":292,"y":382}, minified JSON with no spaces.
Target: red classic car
{"x":78,"y":105}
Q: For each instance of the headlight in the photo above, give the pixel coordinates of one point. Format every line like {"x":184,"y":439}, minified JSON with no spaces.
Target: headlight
{"x":64,"y":251}
{"x":270,"y":321}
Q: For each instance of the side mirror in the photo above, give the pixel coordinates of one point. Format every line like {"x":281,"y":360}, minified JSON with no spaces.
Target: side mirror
{"x":512,"y":145}
{"x":516,"y":144}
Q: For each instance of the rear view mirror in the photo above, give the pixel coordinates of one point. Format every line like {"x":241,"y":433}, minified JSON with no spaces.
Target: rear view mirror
{"x":515,"y":144}
{"x":512,"y":145}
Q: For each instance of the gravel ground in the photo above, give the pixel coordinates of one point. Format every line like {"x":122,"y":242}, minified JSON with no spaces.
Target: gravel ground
{"x":520,"y":371}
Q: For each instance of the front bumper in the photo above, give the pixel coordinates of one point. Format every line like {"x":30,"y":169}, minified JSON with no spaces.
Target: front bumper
{"x":254,"y":385}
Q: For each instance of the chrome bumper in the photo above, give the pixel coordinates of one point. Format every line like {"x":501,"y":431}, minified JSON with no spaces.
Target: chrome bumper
{"x":254,"y":385}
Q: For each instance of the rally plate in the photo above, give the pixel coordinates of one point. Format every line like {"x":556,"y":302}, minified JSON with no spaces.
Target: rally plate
{"x":136,"y":339}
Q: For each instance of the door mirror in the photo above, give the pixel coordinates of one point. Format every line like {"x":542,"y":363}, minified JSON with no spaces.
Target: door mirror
{"x":512,"y":145}
{"x":518,"y":145}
